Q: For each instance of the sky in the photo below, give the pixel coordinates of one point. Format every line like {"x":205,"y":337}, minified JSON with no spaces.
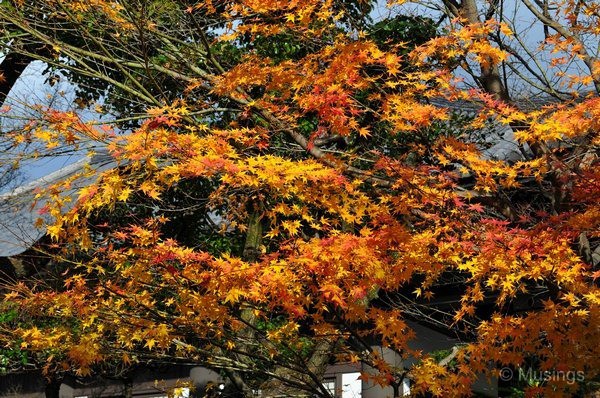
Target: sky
{"x":31,"y":89}
{"x":527,"y":38}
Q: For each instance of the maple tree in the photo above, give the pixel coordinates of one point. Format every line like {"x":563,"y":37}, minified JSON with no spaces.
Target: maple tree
{"x":292,"y":184}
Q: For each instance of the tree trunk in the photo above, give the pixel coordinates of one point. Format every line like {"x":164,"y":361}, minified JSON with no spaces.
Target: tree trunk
{"x":396,"y":389}
{"x":128,"y":387}
{"x":52,"y":389}
{"x":11,"y":68}
{"x":253,"y":237}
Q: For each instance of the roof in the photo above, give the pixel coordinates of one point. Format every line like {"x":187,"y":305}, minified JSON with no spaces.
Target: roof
{"x":19,"y":209}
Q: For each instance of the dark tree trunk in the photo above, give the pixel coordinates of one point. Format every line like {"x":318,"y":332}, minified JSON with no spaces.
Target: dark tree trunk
{"x":128,"y":387}
{"x":53,"y":388}
{"x":11,"y":68}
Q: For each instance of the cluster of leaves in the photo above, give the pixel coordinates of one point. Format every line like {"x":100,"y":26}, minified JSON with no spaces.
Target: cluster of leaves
{"x":300,"y":193}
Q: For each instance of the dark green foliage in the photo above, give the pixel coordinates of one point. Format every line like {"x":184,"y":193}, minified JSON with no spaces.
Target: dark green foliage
{"x":409,"y":31}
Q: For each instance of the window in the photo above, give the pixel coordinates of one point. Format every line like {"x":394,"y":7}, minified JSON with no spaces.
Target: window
{"x":351,"y":385}
{"x":405,"y":387}
{"x":329,"y":385}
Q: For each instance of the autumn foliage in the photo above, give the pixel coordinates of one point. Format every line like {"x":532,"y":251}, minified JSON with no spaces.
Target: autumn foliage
{"x":339,"y":187}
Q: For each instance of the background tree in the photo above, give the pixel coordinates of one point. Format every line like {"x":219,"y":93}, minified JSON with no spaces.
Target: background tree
{"x":333,"y":151}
